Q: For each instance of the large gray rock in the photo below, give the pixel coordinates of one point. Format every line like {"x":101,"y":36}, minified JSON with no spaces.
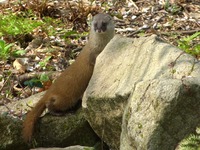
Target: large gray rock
{"x":160,"y":113}
{"x":152,"y":84}
{"x":51,"y":131}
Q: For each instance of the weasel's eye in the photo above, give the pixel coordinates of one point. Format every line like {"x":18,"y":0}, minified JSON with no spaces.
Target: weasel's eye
{"x":104,"y":24}
{"x":95,"y":25}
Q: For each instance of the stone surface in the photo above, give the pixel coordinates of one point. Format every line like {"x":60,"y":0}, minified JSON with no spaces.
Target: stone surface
{"x":20,"y":107}
{"x":160,"y":113}
{"x":123,"y":66}
{"x":51,"y":131}
{"x":77,"y":147}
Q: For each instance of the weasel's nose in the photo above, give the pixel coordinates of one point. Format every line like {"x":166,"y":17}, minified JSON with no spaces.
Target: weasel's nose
{"x":99,"y":30}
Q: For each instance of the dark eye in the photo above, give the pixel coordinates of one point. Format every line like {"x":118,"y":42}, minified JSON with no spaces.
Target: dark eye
{"x":95,"y":24}
{"x":104,"y":24}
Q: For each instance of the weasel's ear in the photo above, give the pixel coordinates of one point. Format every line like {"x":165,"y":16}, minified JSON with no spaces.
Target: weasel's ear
{"x":109,"y":17}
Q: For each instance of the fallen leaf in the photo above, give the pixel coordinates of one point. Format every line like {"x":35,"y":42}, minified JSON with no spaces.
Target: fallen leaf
{"x":20,"y":64}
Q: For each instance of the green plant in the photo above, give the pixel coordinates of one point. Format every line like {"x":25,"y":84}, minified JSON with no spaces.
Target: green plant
{"x":37,"y":81}
{"x":191,"y":143}
{"x":4,"y":49}
{"x":44,"y":63}
{"x":17,"y":53}
{"x":51,"y":25}
{"x":172,"y":8}
{"x":187,"y":45}
{"x":14,"y":24}
{"x":44,"y":77}
{"x":33,"y":83}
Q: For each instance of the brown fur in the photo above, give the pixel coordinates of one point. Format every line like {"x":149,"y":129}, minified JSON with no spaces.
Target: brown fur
{"x":70,"y":86}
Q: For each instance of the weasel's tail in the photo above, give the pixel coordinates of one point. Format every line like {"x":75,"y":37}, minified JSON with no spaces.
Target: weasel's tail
{"x":31,"y":119}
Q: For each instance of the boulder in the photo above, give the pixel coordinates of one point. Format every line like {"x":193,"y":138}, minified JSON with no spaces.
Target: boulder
{"x":50,"y":131}
{"x":169,"y":113}
{"x":144,"y":94}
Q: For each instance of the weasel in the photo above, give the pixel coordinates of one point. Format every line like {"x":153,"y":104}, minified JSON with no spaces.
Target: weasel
{"x":69,"y":87}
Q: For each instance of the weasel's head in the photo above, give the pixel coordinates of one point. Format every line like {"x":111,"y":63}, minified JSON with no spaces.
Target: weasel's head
{"x":102,"y":23}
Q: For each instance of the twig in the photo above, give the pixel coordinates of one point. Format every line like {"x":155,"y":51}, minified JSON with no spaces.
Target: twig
{"x":6,"y":81}
{"x":27,"y":76}
{"x":181,"y":32}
